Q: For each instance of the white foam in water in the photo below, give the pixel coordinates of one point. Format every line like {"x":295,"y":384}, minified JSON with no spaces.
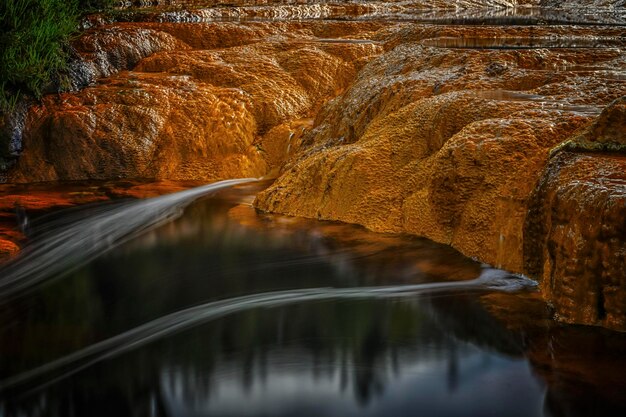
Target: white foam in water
{"x":62,"y":250}
{"x":489,"y":279}
{"x":73,"y":243}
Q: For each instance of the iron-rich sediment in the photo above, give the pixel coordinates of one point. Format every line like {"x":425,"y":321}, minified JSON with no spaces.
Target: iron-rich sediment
{"x":506,"y":142}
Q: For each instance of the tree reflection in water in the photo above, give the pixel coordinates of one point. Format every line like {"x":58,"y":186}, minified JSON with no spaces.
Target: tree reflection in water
{"x":438,"y":354}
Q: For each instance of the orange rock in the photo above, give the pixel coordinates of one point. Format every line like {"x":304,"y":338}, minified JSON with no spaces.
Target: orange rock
{"x":575,"y":237}
{"x":186,"y":113}
{"x":8,"y":249}
{"x":394,"y":126}
{"x":426,"y":141}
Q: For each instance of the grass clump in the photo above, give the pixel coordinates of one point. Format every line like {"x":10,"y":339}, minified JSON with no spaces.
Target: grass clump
{"x":33,"y":44}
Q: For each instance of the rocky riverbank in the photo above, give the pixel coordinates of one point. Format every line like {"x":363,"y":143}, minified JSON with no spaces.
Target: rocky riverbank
{"x":500,"y":153}
{"x":503,"y":141}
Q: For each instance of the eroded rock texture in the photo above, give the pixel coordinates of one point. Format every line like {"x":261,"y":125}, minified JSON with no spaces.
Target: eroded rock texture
{"x":196,"y":104}
{"x":450,"y":142}
{"x":575,"y":240}
{"x":575,"y":237}
{"x":487,"y":137}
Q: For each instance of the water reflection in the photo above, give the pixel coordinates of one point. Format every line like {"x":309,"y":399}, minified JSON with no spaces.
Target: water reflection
{"x":376,"y":359}
{"x":524,"y":43}
{"x":428,"y":354}
{"x":63,"y":245}
{"x":459,"y":12}
{"x":546,"y":102}
{"x":323,"y":359}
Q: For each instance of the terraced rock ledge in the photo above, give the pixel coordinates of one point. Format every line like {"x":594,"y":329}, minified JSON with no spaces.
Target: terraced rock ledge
{"x":506,"y":142}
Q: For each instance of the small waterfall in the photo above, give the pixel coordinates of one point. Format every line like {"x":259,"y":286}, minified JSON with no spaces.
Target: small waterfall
{"x":71,"y":243}
{"x":489,"y":280}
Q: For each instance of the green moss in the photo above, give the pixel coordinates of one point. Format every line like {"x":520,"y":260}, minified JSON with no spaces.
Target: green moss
{"x":581,"y":145}
{"x":33,"y":44}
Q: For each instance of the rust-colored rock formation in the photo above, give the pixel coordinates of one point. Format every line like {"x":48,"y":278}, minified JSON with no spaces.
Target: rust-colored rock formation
{"x":198,"y":108}
{"x":487,"y":138}
{"x":575,"y":236}
{"x":450,"y":142}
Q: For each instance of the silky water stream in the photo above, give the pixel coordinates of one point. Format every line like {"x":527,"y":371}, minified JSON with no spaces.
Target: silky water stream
{"x":193,"y":304}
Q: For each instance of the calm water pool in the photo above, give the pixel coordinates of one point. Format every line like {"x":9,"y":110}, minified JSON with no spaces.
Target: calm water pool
{"x":137,"y":331}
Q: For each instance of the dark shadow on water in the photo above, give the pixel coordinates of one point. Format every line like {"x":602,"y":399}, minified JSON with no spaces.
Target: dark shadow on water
{"x":432,"y":353}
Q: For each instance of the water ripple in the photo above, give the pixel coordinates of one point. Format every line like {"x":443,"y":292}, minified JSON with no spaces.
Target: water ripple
{"x":489,"y":280}
{"x":73,"y":243}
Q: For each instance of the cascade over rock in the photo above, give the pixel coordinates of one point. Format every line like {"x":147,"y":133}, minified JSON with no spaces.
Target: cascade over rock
{"x":450,"y":143}
{"x":503,"y":141}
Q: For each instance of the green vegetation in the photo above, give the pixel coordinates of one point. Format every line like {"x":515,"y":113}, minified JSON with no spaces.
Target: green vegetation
{"x":581,"y":145}
{"x":33,"y":43}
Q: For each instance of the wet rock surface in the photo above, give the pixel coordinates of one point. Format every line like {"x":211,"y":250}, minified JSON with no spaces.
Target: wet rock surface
{"x":196,"y":108}
{"x":484,"y":131}
{"x":574,"y":237}
{"x":450,"y":143}
{"x":439,"y":11}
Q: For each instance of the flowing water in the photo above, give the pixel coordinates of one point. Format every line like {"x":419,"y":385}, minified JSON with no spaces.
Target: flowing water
{"x":197,"y":305}
{"x":465,"y":12}
{"x":193,"y":304}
